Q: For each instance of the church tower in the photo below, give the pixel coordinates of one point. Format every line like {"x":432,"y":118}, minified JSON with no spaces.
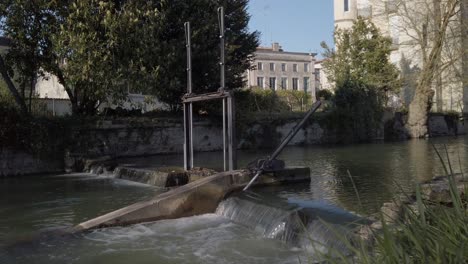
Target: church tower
{"x":345,"y":13}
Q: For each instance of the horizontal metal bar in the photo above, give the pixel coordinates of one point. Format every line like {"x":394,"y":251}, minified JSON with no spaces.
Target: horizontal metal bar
{"x":205,"y":97}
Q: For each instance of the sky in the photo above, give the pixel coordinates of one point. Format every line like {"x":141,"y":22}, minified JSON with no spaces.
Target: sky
{"x":298,"y":25}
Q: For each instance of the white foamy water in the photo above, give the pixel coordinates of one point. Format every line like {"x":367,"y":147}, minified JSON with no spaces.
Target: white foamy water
{"x":206,"y":238}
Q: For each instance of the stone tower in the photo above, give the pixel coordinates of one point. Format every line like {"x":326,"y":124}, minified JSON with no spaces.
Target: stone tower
{"x":345,"y":12}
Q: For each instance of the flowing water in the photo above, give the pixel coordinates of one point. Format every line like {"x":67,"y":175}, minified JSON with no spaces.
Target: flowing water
{"x":267,"y":225}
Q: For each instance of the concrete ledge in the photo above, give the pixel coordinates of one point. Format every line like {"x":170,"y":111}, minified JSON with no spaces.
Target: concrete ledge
{"x":161,"y":177}
{"x":198,"y":197}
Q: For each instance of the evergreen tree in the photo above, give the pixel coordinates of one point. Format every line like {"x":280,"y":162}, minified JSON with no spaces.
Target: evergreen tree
{"x":202,"y":14}
{"x":362,"y":55}
{"x":363,"y":78}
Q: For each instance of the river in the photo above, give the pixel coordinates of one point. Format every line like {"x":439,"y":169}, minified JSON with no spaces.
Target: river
{"x":47,"y":202}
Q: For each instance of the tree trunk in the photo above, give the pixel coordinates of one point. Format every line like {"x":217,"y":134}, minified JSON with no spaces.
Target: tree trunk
{"x":31,"y":89}
{"x":418,"y":112}
{"x":464,"y":23}
{"x":19,"y":100}
{"x":422,"y":102}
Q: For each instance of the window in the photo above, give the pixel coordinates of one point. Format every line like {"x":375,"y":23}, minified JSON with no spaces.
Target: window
{"x":272,"y":83}
{"x":317,"y":74}
{"x":284,"y":83}
{"x":346,"y":5}
{"x":283,"y":67}
{"x":294,"y":67}
{"x":306,"y":67}
{"x":260,"y":66}
{"x":306,"y":84}
{"x":260,"y":82}
{"x":295,"y":83}
{"x":272,"y":67}
{"x":394,"y":30}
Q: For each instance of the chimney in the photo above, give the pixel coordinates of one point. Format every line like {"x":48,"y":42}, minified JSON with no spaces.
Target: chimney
{"x":275,"y":46}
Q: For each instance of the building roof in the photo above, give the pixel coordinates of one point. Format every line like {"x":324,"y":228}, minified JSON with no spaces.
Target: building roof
{"x":270,"y":50}
{"x":277,"y":49}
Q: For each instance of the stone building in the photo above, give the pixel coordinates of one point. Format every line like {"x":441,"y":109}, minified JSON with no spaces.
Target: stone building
{"x":277,"y":69}
{"x":410,"y":24}
{"x":321,"y":79}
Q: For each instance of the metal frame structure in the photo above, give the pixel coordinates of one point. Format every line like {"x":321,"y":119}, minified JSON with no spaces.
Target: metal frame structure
{"x":229,"y":137}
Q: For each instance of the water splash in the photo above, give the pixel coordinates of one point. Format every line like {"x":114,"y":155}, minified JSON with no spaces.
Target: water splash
{"x":313,"y":227}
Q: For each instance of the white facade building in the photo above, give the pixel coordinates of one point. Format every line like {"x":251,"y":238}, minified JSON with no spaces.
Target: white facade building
{"x":282,"y":70}
{"x":321,"y":79}
{"x":405,"y":22}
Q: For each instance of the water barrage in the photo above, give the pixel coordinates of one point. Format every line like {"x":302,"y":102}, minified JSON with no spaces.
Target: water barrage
{"x":297,"y":226}
{"x":278,"y":223}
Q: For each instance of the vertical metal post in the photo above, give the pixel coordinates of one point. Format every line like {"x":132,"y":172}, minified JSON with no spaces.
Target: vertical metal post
{"x":221,"y":46}
{"x":222,"y":85}
{"x":232,"y":132}
{"x":188,"y":109}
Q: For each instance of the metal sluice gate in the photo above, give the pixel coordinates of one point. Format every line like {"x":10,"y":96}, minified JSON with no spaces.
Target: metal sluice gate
{"x":229,"y":137}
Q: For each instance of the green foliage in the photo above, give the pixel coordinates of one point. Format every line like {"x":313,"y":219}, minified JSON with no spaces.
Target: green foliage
{"x":362,"y":55}
{"x":42,"y":137}
{"x":325,"y":94}
{"x":100,"y":50}
{"x":28,"y":24}
{"x":106,"y":49}
{"x":258,"y":100}
{"x":428,"y":232}
{"x":6,"y":99}
{"x":296,"y":100}
{"x":202,"y":15}
{"x":357,"y":113}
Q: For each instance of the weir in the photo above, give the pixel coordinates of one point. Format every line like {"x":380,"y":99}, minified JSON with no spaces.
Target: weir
{"x":198,"y":197}
{"x":197,"y":193}
{"x":204,"y":195}
{"x":314,"y":226}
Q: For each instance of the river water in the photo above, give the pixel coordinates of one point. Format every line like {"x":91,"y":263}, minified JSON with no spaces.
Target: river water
{"x":41,"y":203}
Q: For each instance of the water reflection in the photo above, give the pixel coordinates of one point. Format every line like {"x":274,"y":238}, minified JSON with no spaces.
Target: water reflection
{"x":378,"y":170}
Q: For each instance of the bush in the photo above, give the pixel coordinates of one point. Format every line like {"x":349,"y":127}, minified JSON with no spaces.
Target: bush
{"x":39,"y":136}
{"x":358,"y":112}
{"x":259,"y":100}
{"x":296,"y":100}
{"x":325,"y":94}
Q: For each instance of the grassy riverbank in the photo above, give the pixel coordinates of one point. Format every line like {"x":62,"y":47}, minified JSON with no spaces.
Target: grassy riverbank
{"x":428,"y":231}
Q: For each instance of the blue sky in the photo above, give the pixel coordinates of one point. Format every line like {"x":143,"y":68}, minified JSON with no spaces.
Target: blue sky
{"x":298,"y":25}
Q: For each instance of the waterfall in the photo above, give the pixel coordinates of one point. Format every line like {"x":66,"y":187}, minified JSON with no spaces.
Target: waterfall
{"x":271,"y":222}
{"x":313,"y":227}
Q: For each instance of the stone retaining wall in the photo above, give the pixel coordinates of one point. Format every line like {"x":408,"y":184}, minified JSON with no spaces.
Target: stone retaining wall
{"x":14,"y":163}
{"x":144,"y":136}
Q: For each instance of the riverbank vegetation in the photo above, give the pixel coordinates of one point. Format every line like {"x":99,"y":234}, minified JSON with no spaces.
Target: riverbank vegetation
{"x":364,"y":78}
{"x":101,"y":50}
{"x":429,"y":230}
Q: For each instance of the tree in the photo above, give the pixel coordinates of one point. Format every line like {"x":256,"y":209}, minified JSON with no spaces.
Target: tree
{"x":363,"y":78}
{"x":95,"y":48}
{"x":100,"y":50}
{"x":432,"y":41}
{"x":28,"y":24}
{"x":362,"y":55}
{"x":170,"y":85}
{"x":103,"y":46}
